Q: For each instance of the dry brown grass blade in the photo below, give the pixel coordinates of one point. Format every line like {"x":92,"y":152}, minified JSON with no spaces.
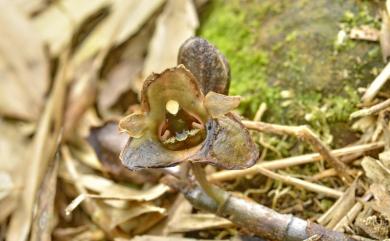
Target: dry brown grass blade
{"x":97,"y":214}
{"x":23,"y":66}
{"x":43,"y":222}
{"x":44,"y":147}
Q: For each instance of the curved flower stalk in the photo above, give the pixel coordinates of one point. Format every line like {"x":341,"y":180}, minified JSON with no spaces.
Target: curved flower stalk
{"x":178,"y":123}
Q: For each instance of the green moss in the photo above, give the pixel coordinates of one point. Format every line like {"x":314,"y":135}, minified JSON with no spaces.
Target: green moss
{"x":233,"y":31}
{"x":269,"y":54}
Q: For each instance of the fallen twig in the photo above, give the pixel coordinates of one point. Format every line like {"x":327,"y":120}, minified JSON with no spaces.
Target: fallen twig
{"x":255,"y":218}
{"x":376,"y":85}
{"x":371,"y":110}
{"x":307,"y":134}
{"x":292,"y":161}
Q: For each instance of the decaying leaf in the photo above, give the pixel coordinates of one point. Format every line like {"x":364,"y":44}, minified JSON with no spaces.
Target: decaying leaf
{"x":375,"y":171}
{"x":43,"y":221}
{"x":23,"y":66}
{"x":381,"y":199}
{"x":140,"y":11}
{"x":120,"y":216}
{"x":177,"y":23}
{"x":196,"y":222}
{"x":57,"y":24}
{"x":6,"y":184}
{"x":157,"y":238}
{"x":109,"y":189}
{"x":13,"y":152}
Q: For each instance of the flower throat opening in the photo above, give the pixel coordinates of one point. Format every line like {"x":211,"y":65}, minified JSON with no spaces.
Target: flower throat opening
{"x":181,"y":129}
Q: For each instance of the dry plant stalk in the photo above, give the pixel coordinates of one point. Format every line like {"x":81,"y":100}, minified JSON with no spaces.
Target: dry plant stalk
{"x":305,"y":133}
{"x":292,"y":161}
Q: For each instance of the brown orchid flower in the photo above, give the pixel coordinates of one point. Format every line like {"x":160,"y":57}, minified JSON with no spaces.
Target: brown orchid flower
{"x":178,"y":123}
{"x":183,"y":119}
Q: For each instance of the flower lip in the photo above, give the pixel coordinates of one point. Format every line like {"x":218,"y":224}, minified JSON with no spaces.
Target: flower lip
{"x":181,"y":130}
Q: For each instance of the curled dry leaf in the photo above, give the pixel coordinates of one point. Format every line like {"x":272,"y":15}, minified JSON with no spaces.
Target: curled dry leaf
{"x":23,"y":66}
{"x":188,"y":134}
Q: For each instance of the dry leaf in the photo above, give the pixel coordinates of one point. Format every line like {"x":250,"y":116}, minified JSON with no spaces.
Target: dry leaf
{"x":44,"y":147}
{"x":29,"y":7}
{"x":176,"y":24}
{"x":6,"y":184}
{"x":157,"y":238}
{"x":382,"y":199}
{"x":375,"y":171}
{"x":13,"y":152}
{"x":58,"y":22}
{"x":198,"y":221}
{"x":111,"y":190}
{"x":23,"y":66}
{"x":140,"y":11}
{"x":120,"y":216}
{"x":44,"y":221}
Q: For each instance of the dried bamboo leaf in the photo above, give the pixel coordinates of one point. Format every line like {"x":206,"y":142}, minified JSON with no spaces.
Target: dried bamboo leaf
{"x":139,"y":12}
{"x":176,"y":24}
{"x":29,"y":7}
{"x":43,"y":223}
{"x":23,"y":66}
{"x":13,"y":152}
{"x":110,"y":190}
{"x":45,"y":143}
{"x":119,"y":216}
{"x":6,"y":184}
{"x":157,"y":238}
{"x":56,"y":25}
{"x":198,"y":221}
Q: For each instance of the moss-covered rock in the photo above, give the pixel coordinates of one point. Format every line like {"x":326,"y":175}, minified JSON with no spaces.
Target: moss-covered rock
{"x":291,"y":55}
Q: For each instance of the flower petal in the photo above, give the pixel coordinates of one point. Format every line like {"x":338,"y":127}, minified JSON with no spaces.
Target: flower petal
{"x":145,"y":152}
{"x":134,"y":124}
{"x":228,"y":144}
{"x":218,"y":104}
